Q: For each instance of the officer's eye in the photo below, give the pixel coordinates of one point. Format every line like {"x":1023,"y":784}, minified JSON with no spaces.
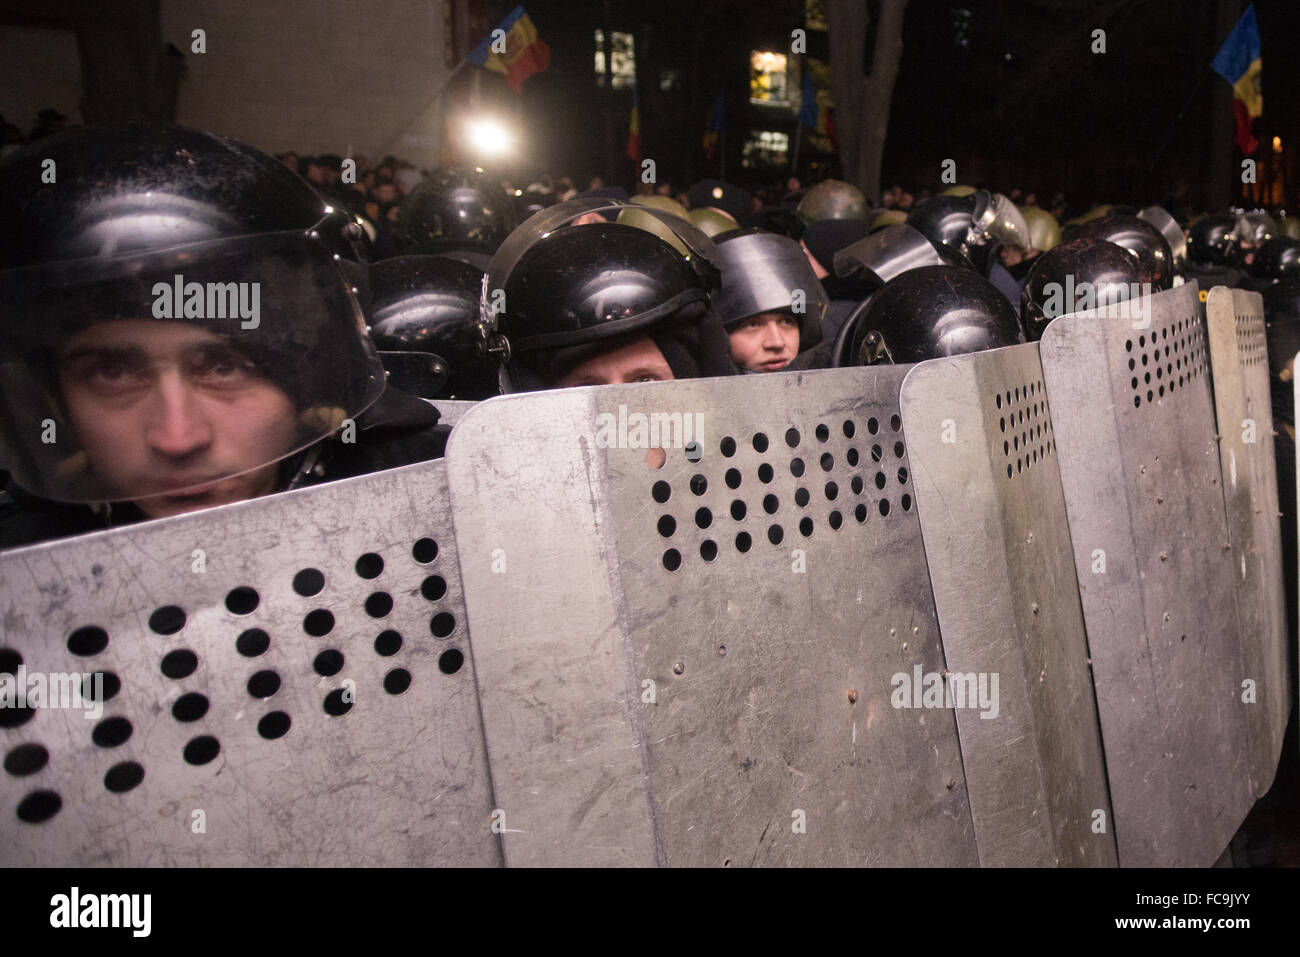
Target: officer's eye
{"x":219,"y":365}
{"x":789,"y":321}
{"x":109,"y":372}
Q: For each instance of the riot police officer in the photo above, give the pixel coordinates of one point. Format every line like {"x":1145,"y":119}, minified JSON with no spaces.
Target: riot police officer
{"x":929,"y":312}
{"x":1081,"y":274}
{"x":771,"y":303}
{"x":834,"y":214}
{"x":979,"y":226}
{"x":428,"y":306}
{"x":602,"y":303}
{"x":1140,"y":238}
{"x":454,"y":209}
{"x":180,"y":329}
{"x":1212,"y":252}
{"x":865,"y":266}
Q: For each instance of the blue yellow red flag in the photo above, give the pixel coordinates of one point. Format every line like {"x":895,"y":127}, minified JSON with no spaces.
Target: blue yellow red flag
{"x":634,"y":132}
{"x":717,"y":122}
{"x":525,"y":52}
{"x":808,"y":112}
{"x":1238,"y":62}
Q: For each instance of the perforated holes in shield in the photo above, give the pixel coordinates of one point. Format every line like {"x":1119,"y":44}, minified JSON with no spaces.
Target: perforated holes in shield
{"x":1025,"y":426}
{"x":1252,"y":346}
{"x":1165,"y":358}
{"x":779,"y":484}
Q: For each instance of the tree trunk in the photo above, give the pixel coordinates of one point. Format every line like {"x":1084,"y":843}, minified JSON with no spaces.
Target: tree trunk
{"x":862,"y":102}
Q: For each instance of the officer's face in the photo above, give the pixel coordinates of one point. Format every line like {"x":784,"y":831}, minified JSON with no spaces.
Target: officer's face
{"x":766,"y":342}
{"x":163,"y":407}
{"x":638,"y":361}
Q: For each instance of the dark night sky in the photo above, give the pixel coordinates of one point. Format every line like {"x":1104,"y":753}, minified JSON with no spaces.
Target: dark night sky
{"x":1053,"y":116}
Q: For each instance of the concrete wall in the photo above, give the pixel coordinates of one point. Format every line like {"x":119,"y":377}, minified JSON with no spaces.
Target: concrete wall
{"x":314,"y":76}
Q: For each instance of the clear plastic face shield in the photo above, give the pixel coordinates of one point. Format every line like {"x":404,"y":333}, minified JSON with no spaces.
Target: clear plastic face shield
{"x":177,"y":372}
{"x":1159,"y":217}
{"x":1255,"y":227}
{"x":695,"y":245}
{"x":887,"y":253}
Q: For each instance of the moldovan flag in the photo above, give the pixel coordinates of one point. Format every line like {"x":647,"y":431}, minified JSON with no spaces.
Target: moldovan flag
{"x":634,"y":133}
{"x":716,"y":124}
{"x":526,"y":53}
{"x":1238,"y":62}
{"x":808,"y":112}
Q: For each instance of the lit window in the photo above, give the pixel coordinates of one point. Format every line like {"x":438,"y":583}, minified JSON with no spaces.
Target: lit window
{"x":767,"y":78}
{"x":814,"y":15}
{"x":623,"y":56}
{"x":765,"y":148}
{"x":961,"y":27}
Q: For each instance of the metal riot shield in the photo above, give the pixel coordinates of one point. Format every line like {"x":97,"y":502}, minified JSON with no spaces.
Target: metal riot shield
{"x":1239,"y":361}
{"x":453,"y":410}
{"x":992,"y":513}
{"x":696,"y":600}
{"x":287,"y":682}
{"x":1133,"y":419}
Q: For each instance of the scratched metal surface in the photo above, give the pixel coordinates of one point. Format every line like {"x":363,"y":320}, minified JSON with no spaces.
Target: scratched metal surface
{"x":1140,"y":470}
{"x":453,"y":410}
{"x":400,"y":778}
{"x":1242,"y":402}
{"x":992,"y":514}
{"x":771,"y":686}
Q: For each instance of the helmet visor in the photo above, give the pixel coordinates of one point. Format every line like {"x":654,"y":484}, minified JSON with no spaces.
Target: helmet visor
{"x":165,"y":373}
{"x":888,"y":252}
{"x":999,"y":218}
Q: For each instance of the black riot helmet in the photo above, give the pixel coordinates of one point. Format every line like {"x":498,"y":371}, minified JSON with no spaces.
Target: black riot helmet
{"x":1140,"y":238}
{"x":558,"y":294}
{"x":156,"y":237}
{"x":1276,"y":258}
{"x":1282,"y":301}
{"x":1077,"y":275}
{"x":974,"y":224}
{"x":944,"y":220}
{"x":455,"y":208}
{"x":763,"y":272}
{"x":430,"y":304}
{"x":929,"y":312}
{"x":1212,"y":240}
{"x":865,"y":266}
{"x":1159,"y":217}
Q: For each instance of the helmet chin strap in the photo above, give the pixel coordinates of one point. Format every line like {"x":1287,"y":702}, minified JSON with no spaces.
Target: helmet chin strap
{"x":309,"y":462}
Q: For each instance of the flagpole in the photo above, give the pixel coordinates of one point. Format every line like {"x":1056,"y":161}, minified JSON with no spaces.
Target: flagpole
{"x":722,"y":147}
{"x":1160,"y":153}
